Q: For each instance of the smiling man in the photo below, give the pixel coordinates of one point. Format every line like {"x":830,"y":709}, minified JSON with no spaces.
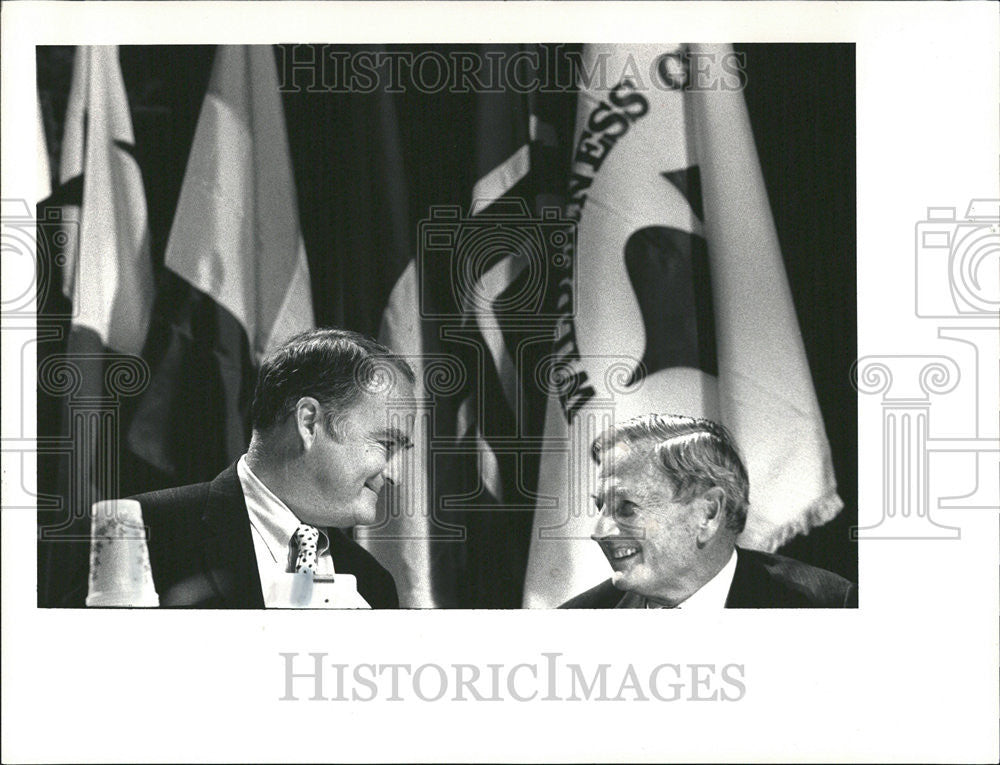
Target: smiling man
{"x":673,"y":497}
{"x":331,"y":414}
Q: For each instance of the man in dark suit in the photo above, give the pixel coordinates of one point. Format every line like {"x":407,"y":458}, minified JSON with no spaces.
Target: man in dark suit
{"x":330,"y":415}
{"x":673,"y":498}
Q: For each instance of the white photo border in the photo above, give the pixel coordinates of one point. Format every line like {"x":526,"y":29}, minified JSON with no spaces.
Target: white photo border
{"x":910,"y":675}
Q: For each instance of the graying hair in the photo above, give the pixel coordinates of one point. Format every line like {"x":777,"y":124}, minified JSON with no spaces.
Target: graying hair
{"x":694,"y":454}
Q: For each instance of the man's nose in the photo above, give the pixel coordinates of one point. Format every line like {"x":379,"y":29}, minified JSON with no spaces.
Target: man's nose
{"x":393,"y":470}
{"x":606,"y":527}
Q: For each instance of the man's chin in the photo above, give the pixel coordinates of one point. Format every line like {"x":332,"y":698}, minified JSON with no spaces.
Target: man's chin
{"x":626,"y":572}
{"x":366,"y":514}
{"x":354,"y":516}
{"x":620,"y":580}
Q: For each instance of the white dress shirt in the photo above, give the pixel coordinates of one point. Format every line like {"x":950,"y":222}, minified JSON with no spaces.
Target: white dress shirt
{"x":272,"y":525}
{"x":713,"y":594}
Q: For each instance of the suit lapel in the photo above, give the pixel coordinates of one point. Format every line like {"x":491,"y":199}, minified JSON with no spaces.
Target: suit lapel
{"x":631,"y":600}
{"x":227,"y":546}
{"x":749,"y":582}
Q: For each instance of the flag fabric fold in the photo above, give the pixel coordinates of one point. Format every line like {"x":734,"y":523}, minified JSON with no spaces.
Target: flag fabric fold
{"x":108,"y":273}
{"x":681,"y":305}
{"x":43,"y":181}
{"x":502,"y":265}
{"x":237,"y":279}
{"x":766,"y":394}
{"x":108,"y":281}
{"x":401,"y":538}
{"x":677,"y":300}
{"x":472,"y":551}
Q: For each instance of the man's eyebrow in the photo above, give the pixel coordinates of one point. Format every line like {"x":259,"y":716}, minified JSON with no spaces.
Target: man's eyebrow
{"x":398,"y":436}
{"x":616,"y":492}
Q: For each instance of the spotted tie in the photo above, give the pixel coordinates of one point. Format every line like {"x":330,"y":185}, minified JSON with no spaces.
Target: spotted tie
{"x":307,"y":538}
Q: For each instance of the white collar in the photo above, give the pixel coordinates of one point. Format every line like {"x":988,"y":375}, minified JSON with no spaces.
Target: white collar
{"x":271,"y":517}
{"x":713,"y":594}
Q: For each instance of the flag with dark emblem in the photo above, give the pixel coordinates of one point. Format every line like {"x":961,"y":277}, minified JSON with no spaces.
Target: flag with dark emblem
{"x":681,"y":304}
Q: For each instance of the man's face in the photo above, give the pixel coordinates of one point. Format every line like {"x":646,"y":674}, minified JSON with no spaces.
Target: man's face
{"x":648,"y":538}
{"x":349,"y":472}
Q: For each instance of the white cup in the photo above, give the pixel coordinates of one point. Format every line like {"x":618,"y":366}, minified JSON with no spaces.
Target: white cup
{"x":120,"y":574}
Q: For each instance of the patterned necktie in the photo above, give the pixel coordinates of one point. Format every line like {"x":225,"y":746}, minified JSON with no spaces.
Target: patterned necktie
{"x":307,"y":538}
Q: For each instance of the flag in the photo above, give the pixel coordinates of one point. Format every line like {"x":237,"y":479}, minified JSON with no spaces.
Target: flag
{"x":107,"y":278}
{"x":108,"y":273}
{"x":237,"y":282}
{"x":460,"y":538}
{"x":401,"y":537}
{"x":43,"y":183}
{"x":681,"y":304}
{"x":766,"y":393}
{"x":500,"y":272}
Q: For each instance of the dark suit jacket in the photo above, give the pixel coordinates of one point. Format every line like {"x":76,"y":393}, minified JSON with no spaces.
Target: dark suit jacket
{"x":762,"y":580}
{"x":202,"y":556}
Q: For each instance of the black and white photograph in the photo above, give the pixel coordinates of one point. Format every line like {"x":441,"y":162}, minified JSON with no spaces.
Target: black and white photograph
{"x":525,"y":232}
{"x":361,"y":358}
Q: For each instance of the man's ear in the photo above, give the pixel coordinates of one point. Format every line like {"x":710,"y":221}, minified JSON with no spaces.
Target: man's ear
{"x":711,"y":514}
{"x":308,"y":420}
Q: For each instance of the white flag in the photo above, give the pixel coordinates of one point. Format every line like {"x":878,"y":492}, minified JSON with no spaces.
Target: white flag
{"x":108,"y":274}
{"x":681,"y":306}
{"x":236,"y":233}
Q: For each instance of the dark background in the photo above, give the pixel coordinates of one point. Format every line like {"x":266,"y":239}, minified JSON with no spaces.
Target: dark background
{"x":801,"y":100}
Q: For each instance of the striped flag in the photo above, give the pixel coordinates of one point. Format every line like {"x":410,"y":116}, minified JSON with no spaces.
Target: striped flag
{"x":238,"y":280}
{"x":509,"y":136}
{"x":500,"y":281}
{"x":681,"y":304}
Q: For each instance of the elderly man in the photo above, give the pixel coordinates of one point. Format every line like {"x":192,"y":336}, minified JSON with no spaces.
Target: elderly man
{"x":330,"y":415}
{"x":673,"y":498}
